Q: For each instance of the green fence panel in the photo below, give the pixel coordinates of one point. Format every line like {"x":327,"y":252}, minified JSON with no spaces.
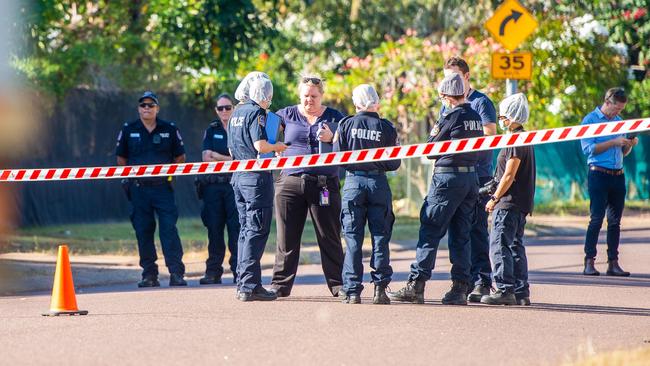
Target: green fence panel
{"x":562,"y":171}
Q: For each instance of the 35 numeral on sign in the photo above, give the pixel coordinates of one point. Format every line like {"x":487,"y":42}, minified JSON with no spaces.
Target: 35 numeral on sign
{"x":512,"y":65}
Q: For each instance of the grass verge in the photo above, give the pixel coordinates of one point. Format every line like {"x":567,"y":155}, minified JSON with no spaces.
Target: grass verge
{"x":581,"y":208}
{"x":119,"y":238}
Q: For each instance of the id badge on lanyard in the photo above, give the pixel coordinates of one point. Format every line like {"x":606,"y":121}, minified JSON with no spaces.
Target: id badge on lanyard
{"x":324,"y":197}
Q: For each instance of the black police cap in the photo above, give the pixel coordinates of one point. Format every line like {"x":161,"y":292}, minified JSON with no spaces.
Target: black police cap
{"x":148,"y":94}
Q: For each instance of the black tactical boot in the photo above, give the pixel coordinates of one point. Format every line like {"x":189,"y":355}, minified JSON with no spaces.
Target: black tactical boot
{"x":499,"y":298}
{"x":210,"y":280}
{"x":613,"y":269}
{"x":522,"y":300}
{"x":413,"y":292}
{"x":176,"y":279}
{"x":480,"y":290}
{"x":380,"y":297}
{"x":457,"y":295}
{"x":352,"y":299}
{"x":149,"y":281}
{"x":590,"y":268}
{"x":280,"y":292}
{"x":259,"y":294}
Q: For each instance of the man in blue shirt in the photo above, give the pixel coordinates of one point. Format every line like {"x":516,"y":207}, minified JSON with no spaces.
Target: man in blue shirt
{"x":606,"y":182}
{"x":479,"y":235}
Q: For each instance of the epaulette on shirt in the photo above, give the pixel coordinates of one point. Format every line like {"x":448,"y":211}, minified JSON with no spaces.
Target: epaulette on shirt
{"x":163,"y":122}
{"x":344,"y":120}
{"x":215,"y":123}
{"x":388,"y":122}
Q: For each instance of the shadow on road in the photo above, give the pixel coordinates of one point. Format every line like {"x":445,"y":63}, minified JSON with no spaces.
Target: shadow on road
{"x":589,"y":309}
{"x":573,"y":278}
{"x":562,"y":308}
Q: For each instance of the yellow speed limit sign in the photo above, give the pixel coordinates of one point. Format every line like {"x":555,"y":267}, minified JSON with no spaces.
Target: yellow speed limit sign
{"x":517,"y":65}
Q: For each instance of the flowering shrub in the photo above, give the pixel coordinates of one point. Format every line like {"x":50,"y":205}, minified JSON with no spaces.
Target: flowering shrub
{"x":573,"y":65}
{"x":574,"y":62}
{"x":405,"y":72}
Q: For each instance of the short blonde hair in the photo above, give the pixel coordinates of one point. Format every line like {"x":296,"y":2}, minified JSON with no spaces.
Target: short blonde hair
{"x":312,"y":80}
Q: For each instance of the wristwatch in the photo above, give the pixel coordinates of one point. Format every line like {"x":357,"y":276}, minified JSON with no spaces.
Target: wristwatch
{"x":494,"y":198}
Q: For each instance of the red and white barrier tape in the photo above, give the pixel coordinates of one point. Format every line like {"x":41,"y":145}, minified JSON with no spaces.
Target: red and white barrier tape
{"x":334,"y":158}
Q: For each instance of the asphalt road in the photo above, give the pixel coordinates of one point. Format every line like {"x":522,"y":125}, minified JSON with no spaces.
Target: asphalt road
{"x":571,"y":316}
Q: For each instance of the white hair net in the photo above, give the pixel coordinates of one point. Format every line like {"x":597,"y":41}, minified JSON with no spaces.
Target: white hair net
{"x":452,"y":85}
{"x":364,"y":96}
{"x":242,"y":93}
{"x":514,"y":108}
{"x":261,"y":90}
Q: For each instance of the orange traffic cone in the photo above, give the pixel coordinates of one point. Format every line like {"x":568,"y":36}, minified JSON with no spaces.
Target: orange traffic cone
{"x":64,"y":301}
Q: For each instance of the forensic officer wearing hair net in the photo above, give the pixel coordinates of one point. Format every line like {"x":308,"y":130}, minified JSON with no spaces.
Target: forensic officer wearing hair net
{"x":145,"y":141}
{"x":253,"y":190}
{"x":366,"y":196}
{"x":479,"y":236}
{"x":450,"y":203}
{"x":510,"y":203}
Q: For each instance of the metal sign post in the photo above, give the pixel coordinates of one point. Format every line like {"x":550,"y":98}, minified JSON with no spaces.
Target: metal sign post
{"x":510,"y":25}
{"x":511,"y":87}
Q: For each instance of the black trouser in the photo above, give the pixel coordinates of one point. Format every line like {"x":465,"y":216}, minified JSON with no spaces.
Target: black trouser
{"x":146,"y":202}
{"x":218,"y":213}
{"x":606,"y":196}
{"x":294,"y":197}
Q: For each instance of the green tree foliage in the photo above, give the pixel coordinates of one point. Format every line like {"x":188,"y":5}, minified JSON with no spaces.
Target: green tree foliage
{"x":203,"y":47}
{"x":213,"y":34}
{"x":127,"y":44}
{"x":358,"y":26}
{"x":75,"y":44}
{"x":572,"y":69}
{"x":202,"y":42}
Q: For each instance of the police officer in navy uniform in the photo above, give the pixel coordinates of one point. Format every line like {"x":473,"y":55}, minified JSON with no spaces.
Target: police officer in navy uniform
{"x":145,"y":141}
{"x":479,"y":234}
{"x":219,"y":210}
{"x":366,"y":196}
{"x":450,"y":203}
{"x":253,"y":190}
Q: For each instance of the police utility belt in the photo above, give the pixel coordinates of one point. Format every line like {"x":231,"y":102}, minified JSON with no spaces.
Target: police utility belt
{"x":454,"y":169}
{"x":211,"y":179}
{"x":143,"y":182}
{"x":201,"y":181}
{"x":149,"y":182}
{"x":321,"y":182}
{"x":365,"y":173}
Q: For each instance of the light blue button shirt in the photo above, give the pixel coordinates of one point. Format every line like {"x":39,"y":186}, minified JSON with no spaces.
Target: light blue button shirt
{"x":611,"y":158}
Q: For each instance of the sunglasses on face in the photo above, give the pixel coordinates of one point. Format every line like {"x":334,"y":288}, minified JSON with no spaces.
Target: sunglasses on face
{"x":222,"y":108}
{"x":147,"y":105}
{"x":314,"y":81}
